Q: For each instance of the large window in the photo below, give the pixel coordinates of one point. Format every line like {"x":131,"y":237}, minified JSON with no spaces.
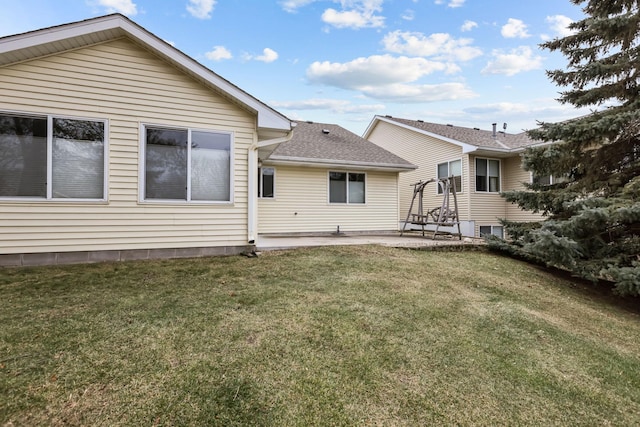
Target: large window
{"x":187,"y":165}
{"x":448,"y":169}
{"x":488,"y":175}
{"x":346,"y":187}
{"x":52,"y":157}
{"x":266,"y":182}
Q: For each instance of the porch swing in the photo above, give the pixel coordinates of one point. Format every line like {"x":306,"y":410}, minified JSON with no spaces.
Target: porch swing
{"x":441,"y":216}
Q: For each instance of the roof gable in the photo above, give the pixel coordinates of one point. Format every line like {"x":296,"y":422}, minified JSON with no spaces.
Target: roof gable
{"x":53,"y":40}
{"x":470,"y":139}
{"x":328,"y":144}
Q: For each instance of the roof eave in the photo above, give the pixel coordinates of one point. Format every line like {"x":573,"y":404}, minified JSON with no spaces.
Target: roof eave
{"x":332,"y":163}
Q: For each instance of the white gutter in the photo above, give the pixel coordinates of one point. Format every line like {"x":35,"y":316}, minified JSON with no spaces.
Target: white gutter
{"x":339,"y":164}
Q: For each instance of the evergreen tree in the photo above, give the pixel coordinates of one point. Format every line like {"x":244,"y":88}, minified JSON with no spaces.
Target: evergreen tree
{"x":592,"y":201}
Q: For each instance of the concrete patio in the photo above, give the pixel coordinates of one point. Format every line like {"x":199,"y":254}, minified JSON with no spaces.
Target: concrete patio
{"x":408,"y":240}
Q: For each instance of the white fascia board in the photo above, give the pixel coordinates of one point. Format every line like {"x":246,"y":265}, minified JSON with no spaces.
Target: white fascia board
{"x":369,"y":128}
{"x":57,"y":33}
{"x":268,"y":118}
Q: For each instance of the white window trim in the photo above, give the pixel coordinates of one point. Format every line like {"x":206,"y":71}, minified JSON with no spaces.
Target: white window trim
{"x":49,"y":190}
{"x":475,"y":174}
{"x":347,"y":203}
{"x":448,"y":162}
{"x":142,"y":163}
{"x":260,"y":189}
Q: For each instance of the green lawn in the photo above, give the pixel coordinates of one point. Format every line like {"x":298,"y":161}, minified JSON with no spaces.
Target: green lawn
{"x":327,"y":336}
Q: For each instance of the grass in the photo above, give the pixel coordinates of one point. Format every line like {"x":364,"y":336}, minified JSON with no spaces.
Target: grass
{"x":327,"y":336}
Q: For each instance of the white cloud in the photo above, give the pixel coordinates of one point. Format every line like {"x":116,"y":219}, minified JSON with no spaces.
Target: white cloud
{"x":371,"y":71}
{"x":355,"y":14}
{"x":559,"y":24}
{"x":386,"y":77}
{"x":514,"y":62}
{"x":515,"y":28}
{"x":218,"y":54}
{"x":126,"y":7}
{"x":520,"y":116}
{"x":351,"y":19}
{"x":335,"y":105}
{"x":268,"y":55}
{"x":292,"y":6}
{"x":352,"y":14}
{"x":439,"y":45}
{"x":408,"y":15}
{"x":404,"y":93}
{"x":498,"y":108}
{"x":468,"y":26}
{"x":451,"y":3}
{"x":201,"y":9}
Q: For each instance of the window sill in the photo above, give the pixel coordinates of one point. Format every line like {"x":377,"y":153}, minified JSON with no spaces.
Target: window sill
{"x":53,"y":201}
{"x":184,"y":203}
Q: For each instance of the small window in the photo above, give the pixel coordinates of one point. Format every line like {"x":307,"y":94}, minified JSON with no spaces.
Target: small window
{"x":187,"y":165}
{"x":542,"y":180}
{"x":548,"y":179}
{"x":346,"y":187}
{"x":448,"y":169}
{"x":266,"y":182}
{"x":488,"y":230}
{"x":52,"y":158}
{"x":488,"y":175}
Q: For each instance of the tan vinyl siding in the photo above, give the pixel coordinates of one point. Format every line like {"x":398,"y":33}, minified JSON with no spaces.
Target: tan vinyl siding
{"x":120,"y":82}
{"x":486,"y":207}
{"x":426,"y":153}
{"x":301,"y":203}
{"x":516,"y":175}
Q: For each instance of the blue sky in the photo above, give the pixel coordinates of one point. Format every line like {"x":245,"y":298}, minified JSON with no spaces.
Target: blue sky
{"x":464,"y":62}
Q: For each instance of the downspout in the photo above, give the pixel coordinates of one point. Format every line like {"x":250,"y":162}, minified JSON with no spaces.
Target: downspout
{"x":252,"y":190}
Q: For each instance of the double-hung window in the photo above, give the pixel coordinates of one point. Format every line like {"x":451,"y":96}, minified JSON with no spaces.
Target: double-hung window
{"x":487,"y":175}
{"x":52,"y":158}
{"x":451,"y":169}
{"x":347,"y":187}
{"x":266,"y":182}
{"x":187,"y":165}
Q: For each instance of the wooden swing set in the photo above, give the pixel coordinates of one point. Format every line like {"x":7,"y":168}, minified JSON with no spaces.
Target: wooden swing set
{"x":441,"y":216}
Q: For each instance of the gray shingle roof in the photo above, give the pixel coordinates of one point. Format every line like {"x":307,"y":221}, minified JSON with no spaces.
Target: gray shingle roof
{"x":323,"y":143}
{"x":472,"y":136}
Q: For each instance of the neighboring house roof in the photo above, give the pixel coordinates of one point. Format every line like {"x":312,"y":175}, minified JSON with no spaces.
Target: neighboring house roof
{"x":470,"y":139}
{"x":52,"y":40}
{"x":322,"y":144}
